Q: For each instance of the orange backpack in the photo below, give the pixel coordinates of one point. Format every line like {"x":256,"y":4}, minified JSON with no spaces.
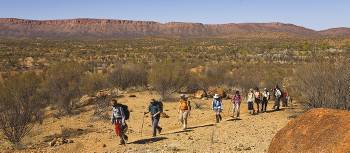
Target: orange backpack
{"x":183,"y":105}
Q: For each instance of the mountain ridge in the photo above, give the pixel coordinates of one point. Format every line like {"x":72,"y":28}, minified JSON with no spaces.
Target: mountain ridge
{"x":113,"y":28}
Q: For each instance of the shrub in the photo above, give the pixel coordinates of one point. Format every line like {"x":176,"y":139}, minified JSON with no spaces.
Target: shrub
{"x":167,"y":78}
{"x":20,"y":106}
{"x":129,"y":76}
{"x":62,"y":84}
{"x":324,"y":85}
{"x":93,"y":82}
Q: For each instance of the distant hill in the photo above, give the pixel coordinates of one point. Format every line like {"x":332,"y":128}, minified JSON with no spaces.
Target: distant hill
{"x":342,"y":31}
{"x":107,"y":28}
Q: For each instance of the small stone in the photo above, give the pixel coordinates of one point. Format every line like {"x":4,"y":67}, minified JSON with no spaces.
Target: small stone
{"x":247,"y":148}
{"x":104,"y":145}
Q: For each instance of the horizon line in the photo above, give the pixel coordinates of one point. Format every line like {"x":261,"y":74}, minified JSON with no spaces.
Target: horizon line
{"x":81,"y":18}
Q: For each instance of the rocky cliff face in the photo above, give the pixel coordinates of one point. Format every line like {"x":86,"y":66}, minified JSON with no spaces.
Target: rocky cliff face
{"x":106,"y":28}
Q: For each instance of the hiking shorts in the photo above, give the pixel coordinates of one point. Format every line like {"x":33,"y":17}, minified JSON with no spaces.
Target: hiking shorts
{"x":183,"y":115}
{"x":217,"y":110}
{"x":250,"y":105}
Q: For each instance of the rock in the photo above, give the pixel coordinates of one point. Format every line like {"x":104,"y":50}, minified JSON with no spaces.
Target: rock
{"x":317,"y":130}
{"x":28,"y":62}
{"x":247,"y":148}
{"x":200,"y":94}
{"x":52,"y":143}
{"x":216,"y":90}
{"x":164,"y":115}
{"x":132,"y":96}
{"x":86,"y":100}
{"x":103,"y":93}
{"x":104,"y":145}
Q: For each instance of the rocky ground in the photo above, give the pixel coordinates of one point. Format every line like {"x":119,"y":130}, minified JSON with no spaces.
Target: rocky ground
{"x":85,"y":133}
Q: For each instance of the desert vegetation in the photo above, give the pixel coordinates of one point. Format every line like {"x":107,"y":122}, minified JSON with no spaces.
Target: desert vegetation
{"x":36,"y":74}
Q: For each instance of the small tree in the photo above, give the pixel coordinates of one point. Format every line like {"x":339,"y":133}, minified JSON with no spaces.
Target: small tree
{"x":93,"y":82}
{"x":131,"y":75}
{"x":324,"y":85}
{"x":62,"y":84}
{"x":167,"y":78}
{"x":20,"y":106}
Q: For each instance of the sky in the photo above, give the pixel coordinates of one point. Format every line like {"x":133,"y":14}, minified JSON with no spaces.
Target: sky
{"x":314,"y":14}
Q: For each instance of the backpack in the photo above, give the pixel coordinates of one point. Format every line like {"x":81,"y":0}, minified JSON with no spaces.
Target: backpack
{"x":183,"y":105}
{"x":156,"y":107}
{"x":125,"y":110}
{"x":278,"y":93}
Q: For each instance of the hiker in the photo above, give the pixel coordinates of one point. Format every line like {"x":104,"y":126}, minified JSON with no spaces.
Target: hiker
{"x":257,"y":100}
{"x":250,"y":100}
{"x":155,"y":108}
{"x":184,"y":110}
{"x":119,"y":116}
{"x":285,"y":98}
{"x":278,"y":95}
{"x":217,"y":107}
{"x":236,"y":101}
{"x":265,"y":99}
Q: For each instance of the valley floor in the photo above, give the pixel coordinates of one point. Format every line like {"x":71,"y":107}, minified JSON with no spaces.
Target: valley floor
{"x":253,"y":133}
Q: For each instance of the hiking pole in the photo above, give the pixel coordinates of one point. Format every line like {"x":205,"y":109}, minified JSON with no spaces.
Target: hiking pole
{"x":143,"y":120}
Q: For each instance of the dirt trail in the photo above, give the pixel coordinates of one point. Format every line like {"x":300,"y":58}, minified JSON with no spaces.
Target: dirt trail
{"x":250,"y":134}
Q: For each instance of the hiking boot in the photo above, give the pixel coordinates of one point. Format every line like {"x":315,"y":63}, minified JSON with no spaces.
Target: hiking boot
{"x":126,"y":138}
{"x":122,"y":142}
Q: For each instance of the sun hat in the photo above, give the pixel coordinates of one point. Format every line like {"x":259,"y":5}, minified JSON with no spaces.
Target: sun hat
{"x":216,"y":96}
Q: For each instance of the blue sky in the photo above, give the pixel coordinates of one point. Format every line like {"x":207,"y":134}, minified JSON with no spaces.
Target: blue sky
{"x":315,"y":14}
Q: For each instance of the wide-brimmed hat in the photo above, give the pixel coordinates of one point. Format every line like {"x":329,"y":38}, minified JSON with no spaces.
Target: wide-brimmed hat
{"x":216,"y":96}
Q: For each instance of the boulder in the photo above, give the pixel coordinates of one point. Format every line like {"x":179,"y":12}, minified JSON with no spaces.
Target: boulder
{"x":317,"y":130}
{"x":216,"y":90}
{"x":28,"y":62}
{"x":200,"y":94}
{"x":86,"y":100}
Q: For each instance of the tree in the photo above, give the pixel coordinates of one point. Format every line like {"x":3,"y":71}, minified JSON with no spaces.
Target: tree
{"x":20,"y":106}
{"x":167,"y":78}
{"x":62,"y":85}
{"x":324,"y":85}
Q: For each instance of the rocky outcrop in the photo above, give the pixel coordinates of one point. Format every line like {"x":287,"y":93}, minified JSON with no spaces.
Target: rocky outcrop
{"x":318,"y":130}
{"x":107,"y":28}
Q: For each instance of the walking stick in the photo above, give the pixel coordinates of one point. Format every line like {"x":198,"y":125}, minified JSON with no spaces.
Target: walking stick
{"x":143,"y":120}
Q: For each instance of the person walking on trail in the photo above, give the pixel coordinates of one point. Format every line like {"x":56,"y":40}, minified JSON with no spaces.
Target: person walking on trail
{"x":217,"y":107}
{"x":119,"y":116}
{"x":278,"y":95}
{"x":155,"y":108}
{"x":184,"y":110}
{"x":236,"y":101}
{"x":250,"y":101}
{"x":285,"y":98}
{"x":265,"y":99}
{"x":257,"y":100}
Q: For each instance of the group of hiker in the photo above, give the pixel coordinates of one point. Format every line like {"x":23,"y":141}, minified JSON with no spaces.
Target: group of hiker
{"x":120,"y":112}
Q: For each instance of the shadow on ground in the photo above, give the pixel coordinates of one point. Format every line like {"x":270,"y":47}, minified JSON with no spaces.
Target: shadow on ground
{"x":234,"y":119}
{"x":194,"y":127}
{"x":149,"y":140}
